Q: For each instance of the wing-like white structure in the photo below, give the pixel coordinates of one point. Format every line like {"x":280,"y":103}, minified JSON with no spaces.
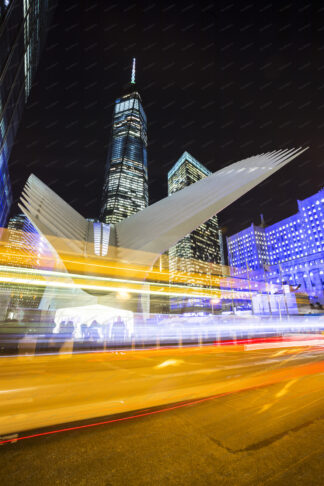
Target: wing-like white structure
{"x":145,"y":235}
{"x":53,"y":217}
{"x":160,"y":226}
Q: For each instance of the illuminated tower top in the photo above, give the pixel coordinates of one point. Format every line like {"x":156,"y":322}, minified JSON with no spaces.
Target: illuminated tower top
{"x":125,"y":189}
{"x":133,"y":71}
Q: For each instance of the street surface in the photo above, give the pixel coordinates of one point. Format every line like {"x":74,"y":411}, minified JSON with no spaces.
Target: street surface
{"x":265,"y":424}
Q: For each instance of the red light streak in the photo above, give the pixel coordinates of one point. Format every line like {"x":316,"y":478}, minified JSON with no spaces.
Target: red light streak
{"x":271,"y":340}
{"x":121,"y":419}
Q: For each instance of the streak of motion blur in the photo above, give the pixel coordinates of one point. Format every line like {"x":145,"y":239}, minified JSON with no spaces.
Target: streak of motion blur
{"x":42,"y":391}
{"x":91,"y":337}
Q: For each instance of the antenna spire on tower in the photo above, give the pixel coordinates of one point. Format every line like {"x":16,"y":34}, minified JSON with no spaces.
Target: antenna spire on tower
{"x":133,"y":71}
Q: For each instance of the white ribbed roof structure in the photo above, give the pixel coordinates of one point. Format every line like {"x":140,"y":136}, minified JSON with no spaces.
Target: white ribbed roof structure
{"x":152,"y":231}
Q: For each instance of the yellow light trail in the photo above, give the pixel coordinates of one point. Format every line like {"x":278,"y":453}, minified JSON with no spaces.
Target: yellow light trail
{"x":54,"y":284}
{"x":170,"y":290}
{"x":80,"y":276}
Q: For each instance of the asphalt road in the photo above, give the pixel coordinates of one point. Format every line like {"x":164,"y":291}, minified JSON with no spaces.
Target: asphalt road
{"x":267,"y":429}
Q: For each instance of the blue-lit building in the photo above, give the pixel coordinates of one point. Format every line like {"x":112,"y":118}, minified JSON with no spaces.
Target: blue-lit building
{"x":290,"y":251}
{"x":23,"y":28}
{"x":125,"y":189}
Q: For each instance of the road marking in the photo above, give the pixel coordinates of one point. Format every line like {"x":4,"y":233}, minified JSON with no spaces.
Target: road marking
{"x":284,"y":390}
{"x":279,"y":353}
{"x":265,"y":407}
{"x":170,"y":362}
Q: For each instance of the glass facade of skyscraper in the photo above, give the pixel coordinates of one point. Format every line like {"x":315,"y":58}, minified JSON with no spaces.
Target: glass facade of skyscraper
{"x":26,"y":248}
{"x":196,"y":253}
{"x":290,"y":251}
{"x":125,"y":189}
{"x":23,"y":27}
{"x":5,"y":193}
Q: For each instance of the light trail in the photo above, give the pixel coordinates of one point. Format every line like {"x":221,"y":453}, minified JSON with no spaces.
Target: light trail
{"x":308,"y":370}
{"x":113,"y":267}
{"x":47,"y":273}
{"x":105,"y":288}
{"x":145,"y":379}
{"x":192,"y":291}
{"x":122,"y":419}
{"x":285,"y":344}
{"x":252,"y":344}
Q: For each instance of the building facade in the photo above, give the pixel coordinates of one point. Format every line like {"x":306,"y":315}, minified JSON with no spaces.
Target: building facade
{"x":125,"y":189}
{"x":26,"y":248}
{"x":195,"y":256}
{"x":290,"y":251}
{"x":23,"y":28}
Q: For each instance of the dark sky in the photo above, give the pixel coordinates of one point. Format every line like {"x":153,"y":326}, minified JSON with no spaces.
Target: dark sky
{"x":223,"y":80}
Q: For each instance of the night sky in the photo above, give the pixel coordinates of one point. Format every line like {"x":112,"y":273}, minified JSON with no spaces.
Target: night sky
{"x":222,"y":80}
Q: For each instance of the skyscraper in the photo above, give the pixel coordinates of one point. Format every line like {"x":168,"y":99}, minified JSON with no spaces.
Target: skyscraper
{"x":23,"y":27}
{"x":28,"y":249}
{"x":195,"y":253}
{"x":125,"y":189}
{"x":201,"y":247}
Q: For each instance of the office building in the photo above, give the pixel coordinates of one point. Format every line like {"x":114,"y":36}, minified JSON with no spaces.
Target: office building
{"x":26,"y":248}
{"x":23,"y":28}
{"x":248,"y":248}
{"x":198,"y":252}
{"x":290,"y":251}
{"x":125,"y":189}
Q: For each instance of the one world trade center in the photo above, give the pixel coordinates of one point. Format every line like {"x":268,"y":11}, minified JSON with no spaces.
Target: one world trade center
{"x":125,"y":189}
